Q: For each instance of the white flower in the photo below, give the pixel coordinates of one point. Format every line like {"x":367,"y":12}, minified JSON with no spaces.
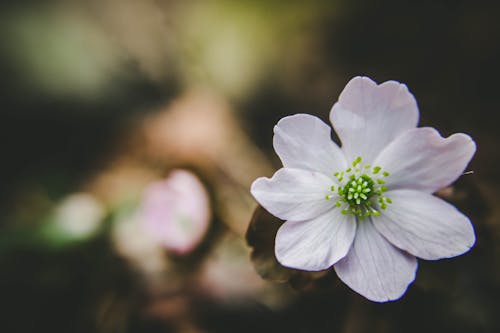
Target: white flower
{"x":366,"y":208}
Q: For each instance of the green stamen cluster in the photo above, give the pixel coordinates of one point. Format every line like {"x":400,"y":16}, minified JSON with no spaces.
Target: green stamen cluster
{"x":360,"y":186}
{"x":358,"y":190}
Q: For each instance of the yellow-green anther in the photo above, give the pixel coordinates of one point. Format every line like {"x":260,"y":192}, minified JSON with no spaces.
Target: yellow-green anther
{"x":359,"y":190}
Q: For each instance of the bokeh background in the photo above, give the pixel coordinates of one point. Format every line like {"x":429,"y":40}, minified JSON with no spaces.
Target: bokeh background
{"x":102,"y":100}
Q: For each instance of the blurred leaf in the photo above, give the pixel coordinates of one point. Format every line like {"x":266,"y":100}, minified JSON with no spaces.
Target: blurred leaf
{"x":260,"y":236}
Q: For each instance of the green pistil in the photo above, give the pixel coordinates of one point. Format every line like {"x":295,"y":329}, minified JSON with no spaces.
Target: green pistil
{"x":360,"y":190}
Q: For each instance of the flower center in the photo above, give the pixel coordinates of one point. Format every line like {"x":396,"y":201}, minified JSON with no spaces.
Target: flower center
{"x":361,"y":190}
{"x":358,"y":190}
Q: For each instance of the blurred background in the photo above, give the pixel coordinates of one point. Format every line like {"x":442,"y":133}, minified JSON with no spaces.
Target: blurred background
{"x":123,"y":121}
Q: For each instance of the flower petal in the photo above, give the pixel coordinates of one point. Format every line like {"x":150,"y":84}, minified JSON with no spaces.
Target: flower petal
{"x":425,"y":225}
{"x":315,"y":244}
{"x":374,"y":268}
{"x":368,"y":116}
{"x":304,"y":142}
{"x":294,"y":194}
{"x":421,"y":159}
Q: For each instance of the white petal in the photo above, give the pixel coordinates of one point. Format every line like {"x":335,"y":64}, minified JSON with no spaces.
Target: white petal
{"x":315,"y":244}
{"x":368,"y":116}
{"x":304,"y":142}
{"x":425,"y":226}
{"x":294,"y":194}
{"x":422,"y":159}
{"x":374,"y":268}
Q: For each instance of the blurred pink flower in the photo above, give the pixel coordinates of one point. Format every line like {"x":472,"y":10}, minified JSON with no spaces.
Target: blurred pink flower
{"x":176,"y":211}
